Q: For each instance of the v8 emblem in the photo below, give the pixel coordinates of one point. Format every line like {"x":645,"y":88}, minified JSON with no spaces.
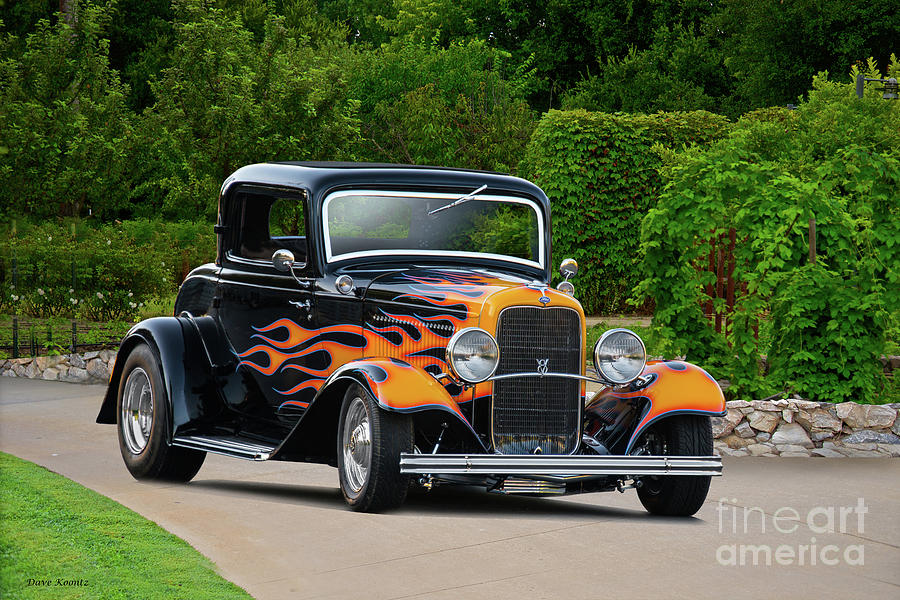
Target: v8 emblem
{"x":542,"y":365}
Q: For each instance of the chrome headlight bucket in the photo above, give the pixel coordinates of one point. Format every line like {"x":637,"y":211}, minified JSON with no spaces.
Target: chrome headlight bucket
{"x":619,"y":356}
{"x":473,"y":354}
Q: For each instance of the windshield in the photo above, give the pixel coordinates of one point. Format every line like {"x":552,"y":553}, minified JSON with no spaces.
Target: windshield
{"x":384,"y":223}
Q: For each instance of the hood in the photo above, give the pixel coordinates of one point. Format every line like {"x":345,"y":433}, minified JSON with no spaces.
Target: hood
{"x":464,"y":293}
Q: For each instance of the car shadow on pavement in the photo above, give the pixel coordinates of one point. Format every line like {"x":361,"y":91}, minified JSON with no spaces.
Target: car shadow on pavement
{"x":457,"y":501}
{"x":474,"y":501}
{"x":276,"y":492}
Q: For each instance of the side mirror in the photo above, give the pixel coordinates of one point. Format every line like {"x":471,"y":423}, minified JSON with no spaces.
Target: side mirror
{"x":568,"y":268}
{"x":283,"y":260}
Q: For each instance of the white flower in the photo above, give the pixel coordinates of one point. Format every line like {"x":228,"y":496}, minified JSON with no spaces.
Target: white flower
{"x":49,"y":238}
{"x":164,"y":280}
{"x":132,"y":305}
{"x":73,"y":300}
{"x":163,"y":263}
{"x":108,"y":242}
{"x":71,"y":291}
{"x":40,"y":292}
{"x":100,"y":295}
{"x":15,"y":298}
{"x":130,"y":294}
{"x":141,"y":304}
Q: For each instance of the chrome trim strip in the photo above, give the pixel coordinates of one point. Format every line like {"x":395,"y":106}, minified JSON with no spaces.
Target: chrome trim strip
{"x":233,"y":448}
{"x":558,"y":466}
{"x":326,"y":235}
{"x":564,"y":375}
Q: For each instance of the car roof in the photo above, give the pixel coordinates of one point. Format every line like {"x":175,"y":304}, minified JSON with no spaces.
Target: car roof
{"x":321,"y":177}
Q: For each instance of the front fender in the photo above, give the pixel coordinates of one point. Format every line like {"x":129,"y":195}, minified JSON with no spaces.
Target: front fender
{"x":181,"y":359}
{"x":396,"y":385}
{"x":674,"y":388}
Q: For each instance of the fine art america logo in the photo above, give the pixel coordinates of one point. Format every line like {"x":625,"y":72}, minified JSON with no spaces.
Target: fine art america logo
{"x":820,"y":520}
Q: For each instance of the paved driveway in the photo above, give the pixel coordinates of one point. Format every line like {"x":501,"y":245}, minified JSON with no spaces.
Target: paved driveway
{"x":281,"y":530}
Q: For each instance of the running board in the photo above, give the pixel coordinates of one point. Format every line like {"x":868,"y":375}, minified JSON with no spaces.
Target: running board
{"x":558,"y":466}
{"x":228,"y":446}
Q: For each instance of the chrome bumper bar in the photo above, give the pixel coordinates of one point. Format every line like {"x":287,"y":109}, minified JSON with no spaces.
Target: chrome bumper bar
{"x":553,"y":467}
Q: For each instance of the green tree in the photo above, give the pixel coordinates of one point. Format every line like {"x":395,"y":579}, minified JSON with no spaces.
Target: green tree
{"x":773,"y":50}
{"x":452,"y":106}
{"x":680,"y":71}
{"x":227,"y":101}
{"x":65,"y":131}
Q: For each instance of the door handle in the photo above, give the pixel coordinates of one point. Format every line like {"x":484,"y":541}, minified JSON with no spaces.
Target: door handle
{"x":305,"y":305}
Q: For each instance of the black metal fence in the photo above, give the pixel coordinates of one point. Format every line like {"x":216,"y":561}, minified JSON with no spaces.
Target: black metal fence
{"x":25,"y":336}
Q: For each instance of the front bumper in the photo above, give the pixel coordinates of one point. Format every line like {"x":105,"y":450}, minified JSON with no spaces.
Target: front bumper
{"x":555,"y":468}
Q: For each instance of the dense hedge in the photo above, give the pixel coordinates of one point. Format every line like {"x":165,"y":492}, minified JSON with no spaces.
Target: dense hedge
{"x":99,"y":273}
{"x":601,"y":172}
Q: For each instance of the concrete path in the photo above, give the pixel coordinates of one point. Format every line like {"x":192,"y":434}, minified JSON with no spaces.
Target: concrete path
{"x":281,"y":530}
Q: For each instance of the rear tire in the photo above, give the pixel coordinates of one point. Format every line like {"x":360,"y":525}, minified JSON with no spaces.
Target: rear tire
{"x":370,"y":441}
{"x":680,"y":435}
{"x":142,"y":420}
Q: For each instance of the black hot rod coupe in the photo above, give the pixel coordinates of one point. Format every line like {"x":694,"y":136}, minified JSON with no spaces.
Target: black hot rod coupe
{"x":399,"y":323}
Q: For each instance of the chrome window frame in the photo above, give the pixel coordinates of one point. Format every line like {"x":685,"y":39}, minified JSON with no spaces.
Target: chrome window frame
{"x":332,"y":258}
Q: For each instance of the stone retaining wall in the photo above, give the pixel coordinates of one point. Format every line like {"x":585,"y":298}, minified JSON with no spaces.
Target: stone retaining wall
{"x":800,"y":427}
{"x":790,"y":428}
{"x":88,"y":367}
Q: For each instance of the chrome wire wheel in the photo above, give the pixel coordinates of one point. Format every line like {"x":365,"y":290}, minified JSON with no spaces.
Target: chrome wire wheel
{"x":356,"y":442}
{"x":136,"y":419}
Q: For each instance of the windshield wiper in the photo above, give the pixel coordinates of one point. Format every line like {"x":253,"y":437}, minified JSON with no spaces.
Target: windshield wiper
{"x":459,"y":201}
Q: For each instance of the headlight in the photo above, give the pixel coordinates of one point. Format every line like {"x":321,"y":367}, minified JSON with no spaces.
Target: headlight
{"x":619,"y":356}
{"x":473,"y":354}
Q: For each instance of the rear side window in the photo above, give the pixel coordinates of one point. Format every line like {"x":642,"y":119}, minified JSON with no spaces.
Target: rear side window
{"x":269,"y":221}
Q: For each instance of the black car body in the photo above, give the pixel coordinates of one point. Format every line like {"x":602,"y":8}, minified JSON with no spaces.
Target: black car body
{"x":398,"y":323}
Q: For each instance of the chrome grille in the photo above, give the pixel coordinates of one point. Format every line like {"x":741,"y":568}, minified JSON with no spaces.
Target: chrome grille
{"x":532,"y":412}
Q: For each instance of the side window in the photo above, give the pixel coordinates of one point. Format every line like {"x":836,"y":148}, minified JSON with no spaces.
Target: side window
{"x":270,"y":221}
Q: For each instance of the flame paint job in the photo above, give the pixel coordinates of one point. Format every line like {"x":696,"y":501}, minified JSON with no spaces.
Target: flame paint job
{"x":399,"y":386}
{"x":425,"y":308}
{"x":677,"y":388}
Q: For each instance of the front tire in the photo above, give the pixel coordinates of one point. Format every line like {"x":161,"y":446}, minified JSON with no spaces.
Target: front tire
{"x":681,"y":435}
{"x":142,"y":420}
{"x":370,"y":441}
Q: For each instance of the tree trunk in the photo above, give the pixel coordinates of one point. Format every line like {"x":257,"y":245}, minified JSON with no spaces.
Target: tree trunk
{"x":68,"y":11}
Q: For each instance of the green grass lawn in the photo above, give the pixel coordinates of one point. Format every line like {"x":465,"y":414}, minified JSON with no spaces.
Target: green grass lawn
{"x":55,"y":530}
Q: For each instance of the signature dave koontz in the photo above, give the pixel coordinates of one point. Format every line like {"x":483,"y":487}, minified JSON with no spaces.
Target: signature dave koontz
{"x":753,"y":521}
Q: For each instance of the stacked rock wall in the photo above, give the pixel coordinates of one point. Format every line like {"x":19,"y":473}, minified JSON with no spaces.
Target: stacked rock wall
{"x":88,"y":367}
{"x":789,"y":428}
{"x":804,"y":428}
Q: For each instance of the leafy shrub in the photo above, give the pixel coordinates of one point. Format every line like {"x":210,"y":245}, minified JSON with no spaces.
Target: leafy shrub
{"x":103,"y":273}
{"x":835,"y":161}
{"x":602,"y":177}
{"x":48,"y":272}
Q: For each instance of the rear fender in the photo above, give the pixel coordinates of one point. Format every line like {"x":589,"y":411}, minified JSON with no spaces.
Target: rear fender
{"x":669,"y":388}
{"x":185,"y":367}
{"x":396,"y":385}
